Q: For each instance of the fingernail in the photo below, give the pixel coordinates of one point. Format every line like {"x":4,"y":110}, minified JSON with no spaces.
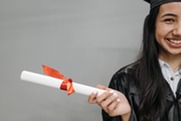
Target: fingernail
{"x":95,"y":92}
{"x":111,"y":91}
{"x":115,"y":94}
{"x":118,"y":100}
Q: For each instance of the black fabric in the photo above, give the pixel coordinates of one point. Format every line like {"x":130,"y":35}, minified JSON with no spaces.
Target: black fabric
{"x":154,"y":3}
{"x":125,"y":82}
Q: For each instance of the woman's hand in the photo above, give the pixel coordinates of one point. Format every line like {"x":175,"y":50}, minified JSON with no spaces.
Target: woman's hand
{"x":112,"y":102}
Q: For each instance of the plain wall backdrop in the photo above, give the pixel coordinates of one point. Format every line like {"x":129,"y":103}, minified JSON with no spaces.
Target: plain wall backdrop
{"x":87,"y":40}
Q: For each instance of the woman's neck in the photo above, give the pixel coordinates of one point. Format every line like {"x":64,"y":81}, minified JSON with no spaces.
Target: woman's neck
{"x":173,"y":61}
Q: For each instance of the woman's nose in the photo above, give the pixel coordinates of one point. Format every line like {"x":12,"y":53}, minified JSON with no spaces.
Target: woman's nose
{"x":177,"y":29}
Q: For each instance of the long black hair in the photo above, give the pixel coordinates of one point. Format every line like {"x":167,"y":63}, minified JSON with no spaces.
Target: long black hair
{"x":149,"y":75}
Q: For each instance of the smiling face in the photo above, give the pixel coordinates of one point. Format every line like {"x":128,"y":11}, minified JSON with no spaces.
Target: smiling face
{"x":168,"y":29}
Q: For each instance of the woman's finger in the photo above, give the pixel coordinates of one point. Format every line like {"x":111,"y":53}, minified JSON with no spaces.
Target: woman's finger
{"x":102,"y":97}
{"x":109,"y":101}
{"x":112,"y":107}
{"x":92,"y":98}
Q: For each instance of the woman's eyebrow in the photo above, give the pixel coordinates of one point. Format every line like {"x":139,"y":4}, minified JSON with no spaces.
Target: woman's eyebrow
{"x":169,"y":14}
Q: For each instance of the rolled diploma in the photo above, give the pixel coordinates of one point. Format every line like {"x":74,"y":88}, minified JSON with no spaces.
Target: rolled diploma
{"x":55,"y":83}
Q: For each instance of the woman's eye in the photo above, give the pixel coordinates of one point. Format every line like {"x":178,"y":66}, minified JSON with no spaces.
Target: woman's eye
{"x":169,"y":20}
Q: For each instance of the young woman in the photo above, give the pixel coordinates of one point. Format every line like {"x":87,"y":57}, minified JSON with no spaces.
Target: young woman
{"x":150,"y":88}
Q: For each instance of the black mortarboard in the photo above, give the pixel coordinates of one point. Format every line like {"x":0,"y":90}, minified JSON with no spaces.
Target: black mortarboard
{"x":154,"y":3}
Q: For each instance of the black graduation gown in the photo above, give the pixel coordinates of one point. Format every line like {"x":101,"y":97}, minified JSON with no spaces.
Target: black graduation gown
{"x":125,"y":82}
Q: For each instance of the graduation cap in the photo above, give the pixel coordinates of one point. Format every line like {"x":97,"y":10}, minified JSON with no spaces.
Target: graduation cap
{"x":154,"y":3}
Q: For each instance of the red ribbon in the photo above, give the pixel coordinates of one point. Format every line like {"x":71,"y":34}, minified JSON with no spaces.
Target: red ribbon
{"x":66,"y":84}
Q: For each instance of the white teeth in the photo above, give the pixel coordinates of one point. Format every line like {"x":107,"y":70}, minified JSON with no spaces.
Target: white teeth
{"x":176,"y":41}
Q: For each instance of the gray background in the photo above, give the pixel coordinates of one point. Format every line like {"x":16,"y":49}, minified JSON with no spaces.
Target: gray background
{"x":87,"y":40}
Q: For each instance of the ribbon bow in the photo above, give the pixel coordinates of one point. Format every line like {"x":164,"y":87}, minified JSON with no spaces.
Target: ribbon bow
{"x":66,"y":84}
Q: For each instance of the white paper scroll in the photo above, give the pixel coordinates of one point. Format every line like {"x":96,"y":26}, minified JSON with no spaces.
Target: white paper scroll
{"x":54,"y":82}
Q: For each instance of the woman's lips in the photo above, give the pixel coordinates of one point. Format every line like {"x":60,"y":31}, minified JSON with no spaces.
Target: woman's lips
{"x":174,"y":42}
